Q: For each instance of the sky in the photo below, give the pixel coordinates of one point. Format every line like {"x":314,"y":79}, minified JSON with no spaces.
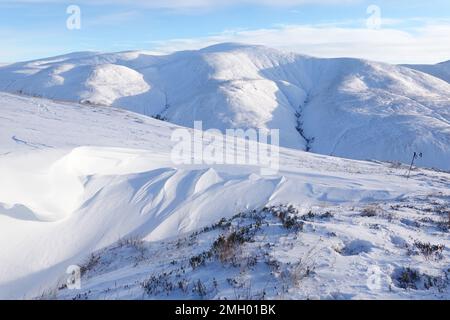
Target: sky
{"x":394,"y":31}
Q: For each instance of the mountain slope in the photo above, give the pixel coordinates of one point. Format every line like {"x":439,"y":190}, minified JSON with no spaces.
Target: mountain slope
{"x":76,"y":178}
{"x":439,"y":70}
{"x":282,"y":252}
{"x":345,"y":107}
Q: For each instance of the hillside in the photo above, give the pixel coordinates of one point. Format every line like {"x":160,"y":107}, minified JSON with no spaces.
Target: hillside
{"x":439,"y":70}
{"x":343,"y":107}
{"x":75,"y":179}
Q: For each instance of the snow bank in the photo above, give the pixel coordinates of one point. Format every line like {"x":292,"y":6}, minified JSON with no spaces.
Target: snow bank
{"x":77,"y":178}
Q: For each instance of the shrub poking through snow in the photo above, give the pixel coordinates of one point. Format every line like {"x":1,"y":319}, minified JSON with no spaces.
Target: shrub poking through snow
{"x":288,"y":216}
{"x":260,"y":254}
{"x":199,"y":288}
{"x":310,"y":216}
{"x":134,"y":242}
{"x":183,"y":286}
{"x":429,"y":250}
{"x":292,"y":223}
{"x":370,"y":211}
{"x":296,"y":272}
{"x":408,"y":278}
{"x":158,"y":284}
{"x":90,"y":264}
{"x":378,"y":211}
{"x":226,"y":247}
{"x":200,"y":260}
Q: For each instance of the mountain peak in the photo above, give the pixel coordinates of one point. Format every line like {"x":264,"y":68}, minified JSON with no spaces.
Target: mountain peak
{"x":230,"y":46}
{"x":344,"y":107}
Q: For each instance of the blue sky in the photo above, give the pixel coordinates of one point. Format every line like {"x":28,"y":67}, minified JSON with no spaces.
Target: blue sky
{"x":410,"y":31}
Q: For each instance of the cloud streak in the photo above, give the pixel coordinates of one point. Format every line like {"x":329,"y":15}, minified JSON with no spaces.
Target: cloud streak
{"x":425,"y":44}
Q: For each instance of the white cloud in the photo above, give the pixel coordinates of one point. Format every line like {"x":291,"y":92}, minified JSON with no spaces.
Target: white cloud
{"x":426,"y":44}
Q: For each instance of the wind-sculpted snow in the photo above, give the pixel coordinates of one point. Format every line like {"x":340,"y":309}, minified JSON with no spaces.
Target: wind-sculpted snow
{"x":343,"y":107}
{"x":77,"y":178}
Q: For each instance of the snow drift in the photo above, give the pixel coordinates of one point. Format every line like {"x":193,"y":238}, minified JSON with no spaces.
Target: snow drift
{"x":77,"y":178}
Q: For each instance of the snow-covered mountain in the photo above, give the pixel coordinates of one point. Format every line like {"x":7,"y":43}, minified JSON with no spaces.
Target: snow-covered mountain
{"x":439,"y":70}
{"x":75,"y":179}
{"x":344,"y":107}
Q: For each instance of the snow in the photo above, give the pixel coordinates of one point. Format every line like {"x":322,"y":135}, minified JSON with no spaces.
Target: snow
{"x":343,"y":107}
{"x":335,"y":252}
{"x":439,"y":70}
{"x":77,"y":178}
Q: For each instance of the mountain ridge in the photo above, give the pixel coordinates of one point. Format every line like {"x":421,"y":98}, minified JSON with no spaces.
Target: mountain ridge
{"x":439,"y":70}
{"x":346,"y":107}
